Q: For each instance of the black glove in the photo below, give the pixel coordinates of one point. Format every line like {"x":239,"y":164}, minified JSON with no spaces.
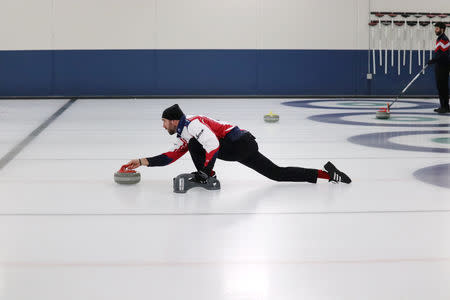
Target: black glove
{"x":431,"y":61}
{"x":199,"y":177}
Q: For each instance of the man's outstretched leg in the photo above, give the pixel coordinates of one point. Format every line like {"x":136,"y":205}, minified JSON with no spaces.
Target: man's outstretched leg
{"x":266,"y":167}
{"x":245,"y":150}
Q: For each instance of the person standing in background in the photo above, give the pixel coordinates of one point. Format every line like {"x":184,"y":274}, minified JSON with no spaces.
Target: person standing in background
{"x":442,"y":68}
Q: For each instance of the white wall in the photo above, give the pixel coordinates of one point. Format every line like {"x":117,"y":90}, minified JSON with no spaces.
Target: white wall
{"x":105,"y":24}
{"x":194,"y":24}
{"x":311,"y":24}
{"x":207,"y":24}
{"x":25,"y":24}
{"x":411,"y":5}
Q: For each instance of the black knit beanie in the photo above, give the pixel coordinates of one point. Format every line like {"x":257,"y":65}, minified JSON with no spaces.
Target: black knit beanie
{"x":441,"y":25}
{"x":172,"y":113}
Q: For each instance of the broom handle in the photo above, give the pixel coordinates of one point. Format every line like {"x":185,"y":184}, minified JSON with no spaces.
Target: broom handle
{"x":414,"y":79}
{"x":409,"y":84}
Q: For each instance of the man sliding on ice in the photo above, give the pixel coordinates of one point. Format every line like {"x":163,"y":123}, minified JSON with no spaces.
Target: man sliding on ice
{"x":207,"y":139}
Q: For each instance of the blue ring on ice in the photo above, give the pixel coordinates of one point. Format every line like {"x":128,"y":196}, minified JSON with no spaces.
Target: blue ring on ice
{"x":438,"y":175}
{"x":338,"y":119}
{"x":310,"y":104}
{"x":381,"y":140}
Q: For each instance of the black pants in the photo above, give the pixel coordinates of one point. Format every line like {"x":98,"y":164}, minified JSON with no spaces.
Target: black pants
{"x":441,"y":74}
{"x":245,"y":151}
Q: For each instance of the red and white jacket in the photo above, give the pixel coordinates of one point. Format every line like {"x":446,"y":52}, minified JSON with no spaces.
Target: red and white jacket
{"x":206,"y":131}
{"x":441,"y":51}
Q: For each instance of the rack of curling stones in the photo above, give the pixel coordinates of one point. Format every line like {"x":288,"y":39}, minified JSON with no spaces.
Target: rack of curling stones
{"x":126,"y":176}
{"x":271,"y":118}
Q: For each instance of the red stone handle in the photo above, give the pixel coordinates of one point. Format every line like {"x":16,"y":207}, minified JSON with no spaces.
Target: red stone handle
{"x":124,"y":169}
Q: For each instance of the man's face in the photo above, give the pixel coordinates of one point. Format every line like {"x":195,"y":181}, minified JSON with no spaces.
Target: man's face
{"x":438,"y":31}
{"x":170,"y":126}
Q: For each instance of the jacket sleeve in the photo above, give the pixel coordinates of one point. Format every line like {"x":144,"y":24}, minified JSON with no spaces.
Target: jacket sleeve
{"x":178,"y":149}
{"x":206,"y":137}
{"x":441,"y":54}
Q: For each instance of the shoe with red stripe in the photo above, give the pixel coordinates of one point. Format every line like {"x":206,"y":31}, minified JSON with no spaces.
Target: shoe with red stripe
{"x":336,"y":176}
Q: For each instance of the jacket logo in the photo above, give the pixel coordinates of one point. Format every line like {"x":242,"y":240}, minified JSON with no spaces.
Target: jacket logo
{"x":199,"y":134}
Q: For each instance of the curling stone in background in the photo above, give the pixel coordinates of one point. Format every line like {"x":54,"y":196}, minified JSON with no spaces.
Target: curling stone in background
{"x":271,"y":118}
{"x":383,"y":114}
{"x":125,"y":176}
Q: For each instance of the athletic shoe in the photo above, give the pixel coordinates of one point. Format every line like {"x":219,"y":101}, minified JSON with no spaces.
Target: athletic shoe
{"x":442,"y":110}
{"x":336,"y":175}
{"x":201,"y":177}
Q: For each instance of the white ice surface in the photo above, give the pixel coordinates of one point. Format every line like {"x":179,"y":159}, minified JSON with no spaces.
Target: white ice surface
{"x":67,"y":231}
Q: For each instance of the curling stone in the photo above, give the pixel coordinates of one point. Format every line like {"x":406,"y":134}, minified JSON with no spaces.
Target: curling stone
{"x":183,"y":182}
{"x":271,"y":118}
{"x":125,"y":176}
{"x":383,"y":114}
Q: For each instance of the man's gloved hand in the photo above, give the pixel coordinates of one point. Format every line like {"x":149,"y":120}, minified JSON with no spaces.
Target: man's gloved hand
{"x":202,"y":176}
{"x":431,"y":61}
{"x":199,"y":177}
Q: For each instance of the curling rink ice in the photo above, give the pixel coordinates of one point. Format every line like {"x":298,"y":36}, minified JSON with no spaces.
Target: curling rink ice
{"x":67,"y":231}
